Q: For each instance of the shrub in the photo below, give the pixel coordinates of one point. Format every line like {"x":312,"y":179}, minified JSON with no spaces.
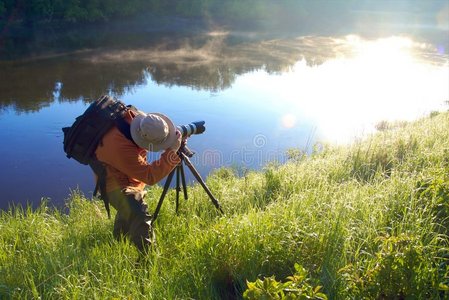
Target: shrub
{"x":296,"y":286}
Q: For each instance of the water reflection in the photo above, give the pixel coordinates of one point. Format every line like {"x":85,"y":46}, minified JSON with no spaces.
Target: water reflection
{"x":212,"y":64}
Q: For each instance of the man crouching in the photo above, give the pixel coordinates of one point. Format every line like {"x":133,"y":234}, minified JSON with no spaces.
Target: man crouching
{"x":128,"y":171}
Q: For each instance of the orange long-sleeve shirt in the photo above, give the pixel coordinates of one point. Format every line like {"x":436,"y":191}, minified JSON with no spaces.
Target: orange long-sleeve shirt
{"x":126,"y":163}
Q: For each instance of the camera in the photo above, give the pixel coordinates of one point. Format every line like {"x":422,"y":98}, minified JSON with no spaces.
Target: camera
{"x":192,"y":128}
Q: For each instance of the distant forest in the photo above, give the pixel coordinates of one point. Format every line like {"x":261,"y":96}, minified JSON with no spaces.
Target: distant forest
{"x":75,"y":11}
{"x":32,"y":12}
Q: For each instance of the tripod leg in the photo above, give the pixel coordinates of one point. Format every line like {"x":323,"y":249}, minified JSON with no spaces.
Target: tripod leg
{"x":201,"y":181}
{"x":161,"y":199}
{"x":178,"y":167}
{"x":184,"y":186}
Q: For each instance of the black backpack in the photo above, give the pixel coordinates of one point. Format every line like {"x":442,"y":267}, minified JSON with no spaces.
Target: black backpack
{"x":82,"y":138}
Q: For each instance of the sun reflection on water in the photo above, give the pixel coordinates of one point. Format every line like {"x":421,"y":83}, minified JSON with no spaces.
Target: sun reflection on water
{"x":288,"y":120}
{"x":380,"y":80}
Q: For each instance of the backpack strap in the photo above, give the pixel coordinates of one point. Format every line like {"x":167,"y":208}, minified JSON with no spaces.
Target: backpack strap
{"x":100,"y":170}
{"x":124,"y":127}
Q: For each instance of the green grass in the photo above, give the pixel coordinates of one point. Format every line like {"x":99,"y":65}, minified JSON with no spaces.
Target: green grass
{"x":365,"y":221}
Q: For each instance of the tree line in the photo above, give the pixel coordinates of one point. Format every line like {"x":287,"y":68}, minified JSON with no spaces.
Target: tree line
{"x":35,"y":11}
{"x":77,"y":11}
{"x":85,"y":11}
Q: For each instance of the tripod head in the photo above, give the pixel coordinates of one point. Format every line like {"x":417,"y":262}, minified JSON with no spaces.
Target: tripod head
{"x":185,"y":150}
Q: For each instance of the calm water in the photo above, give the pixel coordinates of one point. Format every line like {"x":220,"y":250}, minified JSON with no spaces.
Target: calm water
{"x":259,"y":94}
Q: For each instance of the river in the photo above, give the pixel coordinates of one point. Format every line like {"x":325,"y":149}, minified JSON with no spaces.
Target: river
{"x":260,"y":93}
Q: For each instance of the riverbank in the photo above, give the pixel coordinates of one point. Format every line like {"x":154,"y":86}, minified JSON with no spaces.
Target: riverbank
{"x":369,"y":220}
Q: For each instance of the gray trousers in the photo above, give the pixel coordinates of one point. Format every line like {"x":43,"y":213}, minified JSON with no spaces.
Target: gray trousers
{"x":132,"y":219}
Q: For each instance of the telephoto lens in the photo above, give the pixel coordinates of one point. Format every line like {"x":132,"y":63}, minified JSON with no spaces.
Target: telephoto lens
{"x":192,"y":128}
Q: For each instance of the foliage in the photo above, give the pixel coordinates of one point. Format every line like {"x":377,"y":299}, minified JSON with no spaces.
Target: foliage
{"x":32,"y":11}
{"x":296,"y":287}
{"x":365,"y":221}
{"x":248,"y":11}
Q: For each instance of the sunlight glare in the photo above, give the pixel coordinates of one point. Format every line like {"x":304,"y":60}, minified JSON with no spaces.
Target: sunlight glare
{"x":288,"y":120}
{"x":346,"y":96}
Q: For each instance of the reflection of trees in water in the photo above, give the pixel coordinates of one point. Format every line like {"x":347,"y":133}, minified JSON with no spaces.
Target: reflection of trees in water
{"x":30,"y":86}
{"x":216,"y":67}
{"x":206,"y":64}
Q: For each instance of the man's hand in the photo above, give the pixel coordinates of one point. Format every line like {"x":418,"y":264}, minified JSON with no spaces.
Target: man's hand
{"x":177,"y":143}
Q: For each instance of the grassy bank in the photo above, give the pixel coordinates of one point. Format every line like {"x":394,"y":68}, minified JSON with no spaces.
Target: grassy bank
{"x":367,"y":221}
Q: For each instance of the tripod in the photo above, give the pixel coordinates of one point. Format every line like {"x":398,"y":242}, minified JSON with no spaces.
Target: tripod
{"x":184,"y":154}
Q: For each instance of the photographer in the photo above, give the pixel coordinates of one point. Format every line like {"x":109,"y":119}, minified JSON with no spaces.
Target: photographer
{"x":128,"y":172}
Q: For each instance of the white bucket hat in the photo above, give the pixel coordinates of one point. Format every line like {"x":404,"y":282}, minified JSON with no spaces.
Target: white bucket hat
{"x":153,"y":131}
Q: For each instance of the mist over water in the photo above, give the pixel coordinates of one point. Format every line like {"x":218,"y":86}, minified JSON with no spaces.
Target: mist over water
{"x":260,"y":93}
